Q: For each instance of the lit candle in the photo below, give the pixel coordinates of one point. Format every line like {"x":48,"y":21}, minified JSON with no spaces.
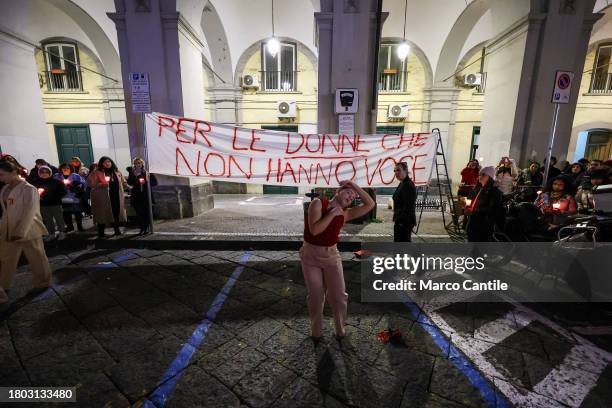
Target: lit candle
{"x":41,"y":191}
{"x":141,"y":180}
{"x":539,"y":192}
{"x":468,"y":202}
{"x":66,"y":181}
{"x":556,"y":206}
{"x":107,"y":178}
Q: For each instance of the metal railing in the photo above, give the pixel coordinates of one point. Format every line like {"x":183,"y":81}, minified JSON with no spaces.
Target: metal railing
{"x":63,"y":81}
{"x":602,"y":83}
{"x":391,"y":82}
{"x":279,"y":81}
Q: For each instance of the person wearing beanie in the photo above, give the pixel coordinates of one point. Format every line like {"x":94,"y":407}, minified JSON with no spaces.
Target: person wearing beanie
{"x":484,"y":207}
{"x":584,"y":196}
{"x":33,"y":176}
{"x":51,"y":191}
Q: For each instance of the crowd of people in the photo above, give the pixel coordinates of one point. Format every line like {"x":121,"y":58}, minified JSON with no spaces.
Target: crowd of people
{"x":567,"y":191}
{"x":71,"y":192}
{"x":41,"y":204}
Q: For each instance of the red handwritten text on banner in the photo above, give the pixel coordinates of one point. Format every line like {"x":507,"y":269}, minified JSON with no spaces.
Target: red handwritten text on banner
{"x":197,"y":148}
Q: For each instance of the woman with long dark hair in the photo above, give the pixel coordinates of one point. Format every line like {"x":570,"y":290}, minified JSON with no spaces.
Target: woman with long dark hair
{"x":484,"y":207}
{"x":557,"y":202}
{"x":107,"y":201}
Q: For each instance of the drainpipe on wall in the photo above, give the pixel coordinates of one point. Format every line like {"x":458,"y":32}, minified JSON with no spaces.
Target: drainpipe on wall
{"x":375,"y":69}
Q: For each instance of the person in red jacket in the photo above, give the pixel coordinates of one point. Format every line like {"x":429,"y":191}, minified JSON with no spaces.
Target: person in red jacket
{"x":469,"y":178}
{"x":321,"y":262}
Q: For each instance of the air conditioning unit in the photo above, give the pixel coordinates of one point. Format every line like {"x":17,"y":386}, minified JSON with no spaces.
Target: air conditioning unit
{"x":399,"y":111}
{"x":250,"y":81}
{"x":287,"y":109}
{"x":472,"y":79}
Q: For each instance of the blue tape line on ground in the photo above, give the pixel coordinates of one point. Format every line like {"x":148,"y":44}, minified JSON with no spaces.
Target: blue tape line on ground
{"x":170,"y":378}
{"x":459,"y":360}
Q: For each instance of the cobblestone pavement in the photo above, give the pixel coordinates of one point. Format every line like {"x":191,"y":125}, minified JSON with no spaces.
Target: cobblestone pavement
{"x":229,"y":329}
{"x":281,"y":217}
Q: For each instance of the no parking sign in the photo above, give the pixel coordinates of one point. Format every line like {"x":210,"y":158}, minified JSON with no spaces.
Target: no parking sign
{"x":563,"y":86}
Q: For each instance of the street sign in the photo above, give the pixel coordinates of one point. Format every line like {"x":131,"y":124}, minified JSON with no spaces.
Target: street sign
{"x":563,"y":87}
{"x":141,"y":97}
{"x":346,"y":124}
{"x":347,"y":100}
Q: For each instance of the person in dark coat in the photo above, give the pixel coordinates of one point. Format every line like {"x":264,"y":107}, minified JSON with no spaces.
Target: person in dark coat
{"x":71,"y":203}
{"x":51,"y":191}
{"x":139,"y":197}
{"x":33,"y":176}
{"x":484,"y":206}
{"x":577,"y":174}
{"x":404,"y":205}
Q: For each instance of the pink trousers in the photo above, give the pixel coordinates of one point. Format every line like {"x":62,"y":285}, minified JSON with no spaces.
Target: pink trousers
{"x":323,"y":275}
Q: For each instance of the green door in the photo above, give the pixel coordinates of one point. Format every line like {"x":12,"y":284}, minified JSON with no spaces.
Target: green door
{"x":270,"y":189}
{"x":387,"y":130}
{"x":73,"y":141}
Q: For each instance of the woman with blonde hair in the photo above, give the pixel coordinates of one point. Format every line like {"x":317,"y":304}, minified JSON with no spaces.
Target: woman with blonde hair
{"x":139,"y":197}
{"x":321,"y":261}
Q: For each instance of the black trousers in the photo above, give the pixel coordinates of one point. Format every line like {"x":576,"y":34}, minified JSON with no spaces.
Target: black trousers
{"x":141,"y":208}
{"x":402,"y":232}
{"x":78,"y":216}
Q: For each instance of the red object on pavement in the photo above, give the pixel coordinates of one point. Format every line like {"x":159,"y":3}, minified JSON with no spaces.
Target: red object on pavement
{"x":385,"y":336}
{"x":362,"y":253}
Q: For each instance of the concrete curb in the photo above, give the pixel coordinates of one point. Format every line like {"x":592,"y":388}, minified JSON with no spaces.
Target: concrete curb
{"x":179,"y":242}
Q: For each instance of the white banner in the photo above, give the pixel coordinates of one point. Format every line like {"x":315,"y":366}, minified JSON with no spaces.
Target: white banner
{"x":196,"y":148}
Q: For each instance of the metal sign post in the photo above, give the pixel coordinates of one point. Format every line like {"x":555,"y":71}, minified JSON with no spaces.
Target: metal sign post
{"x":561,"y":94}
{"x":148,"y":174}
{"x":551,"y":141}
{"x":141,"y":103}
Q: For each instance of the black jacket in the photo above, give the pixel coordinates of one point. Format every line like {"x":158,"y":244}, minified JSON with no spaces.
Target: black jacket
{"x":139,"y":191}
{"x":33,"y":176}
{"x":404,"y":203}
{"x":54,"y":191}
{"x":487,"y":212}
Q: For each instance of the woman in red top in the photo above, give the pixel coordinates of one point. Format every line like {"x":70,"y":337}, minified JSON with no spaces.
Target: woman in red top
{"x":321,"y":262}
{"x":469,"y":178}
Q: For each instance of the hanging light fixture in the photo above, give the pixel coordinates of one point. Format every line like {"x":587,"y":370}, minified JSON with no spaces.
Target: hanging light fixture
{"x":403,"y":49}
{"x":273,"y":45}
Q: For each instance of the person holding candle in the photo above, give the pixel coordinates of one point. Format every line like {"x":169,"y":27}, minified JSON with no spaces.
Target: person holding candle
{"x":319,"y":256}
{"x":76,"y":164}
{"x":139,"y":197}
{"x":107,"y":200}
{"x":483,"y":207}
{"x":74,"y":185}
{"x":21,"y":231}
{"x":33,"y":176}
{"x":557,"y":202}
{"x":51,"y":192}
